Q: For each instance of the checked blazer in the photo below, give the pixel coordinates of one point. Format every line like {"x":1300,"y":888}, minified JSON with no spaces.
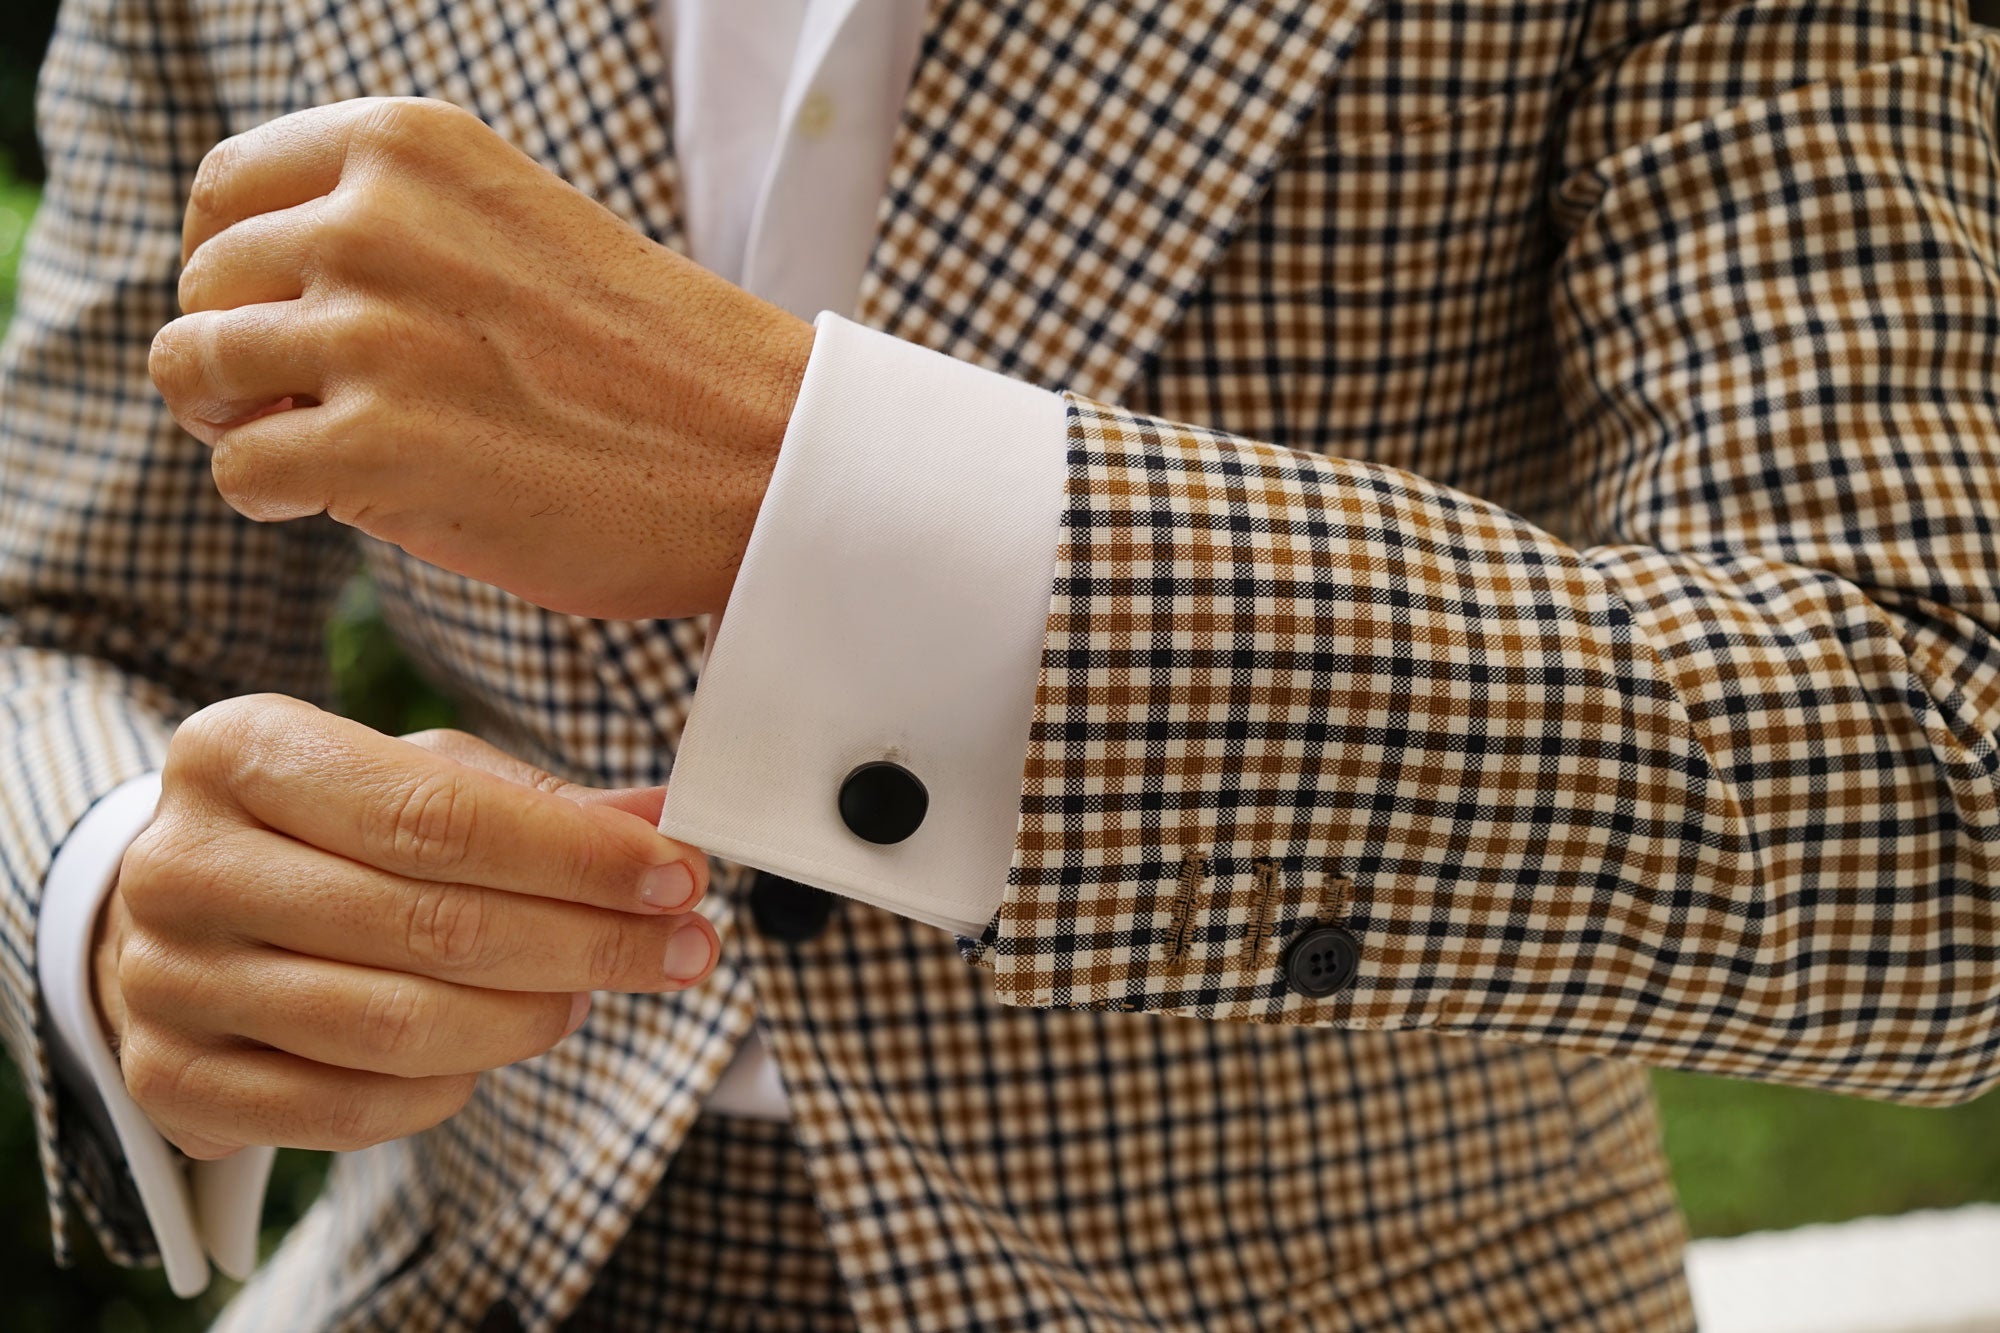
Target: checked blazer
{"x":1534,"y":474}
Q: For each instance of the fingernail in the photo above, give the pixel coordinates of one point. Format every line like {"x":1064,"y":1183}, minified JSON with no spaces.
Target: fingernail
{"x":687,"y":954}
{"x":668,"y":886}
{"x":579,"y":1009}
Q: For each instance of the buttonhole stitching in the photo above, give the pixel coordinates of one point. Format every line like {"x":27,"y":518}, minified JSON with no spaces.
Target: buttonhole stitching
{"x":1263,"y":906}
{"x":1336,"y":897}
{"x":1180,"y":922}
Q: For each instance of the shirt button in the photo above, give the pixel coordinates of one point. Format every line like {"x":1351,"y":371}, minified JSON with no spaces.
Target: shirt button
{"x":787,"y":910}
{"x":1323,"y":960}
{"x":815,"y":115}
{"x":500,"y":1319}
{"x":882,"y":802}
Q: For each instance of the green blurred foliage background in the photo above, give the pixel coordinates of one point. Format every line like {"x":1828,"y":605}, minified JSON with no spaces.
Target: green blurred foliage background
{"x":1746,"y":1157}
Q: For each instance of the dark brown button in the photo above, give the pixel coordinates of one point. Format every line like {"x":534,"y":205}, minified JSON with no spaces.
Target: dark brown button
{"x":1322,"y":960}
{"x":787,"y":910}
{"x":882,"y":802}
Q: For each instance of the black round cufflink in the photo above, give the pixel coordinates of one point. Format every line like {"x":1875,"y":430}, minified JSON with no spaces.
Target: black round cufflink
{"x":883,"y":803}
{"x":787,"y":910}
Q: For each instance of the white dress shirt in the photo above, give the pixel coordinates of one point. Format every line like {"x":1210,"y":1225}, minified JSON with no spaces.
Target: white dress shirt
{"x":891,"y":603}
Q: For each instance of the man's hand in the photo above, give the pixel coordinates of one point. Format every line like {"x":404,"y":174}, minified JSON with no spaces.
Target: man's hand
{"x":396,"y":317}
{"x":325,"y":933}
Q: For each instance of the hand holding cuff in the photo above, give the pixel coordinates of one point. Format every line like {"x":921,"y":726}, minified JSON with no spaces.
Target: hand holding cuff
{"x":197,"y":1210}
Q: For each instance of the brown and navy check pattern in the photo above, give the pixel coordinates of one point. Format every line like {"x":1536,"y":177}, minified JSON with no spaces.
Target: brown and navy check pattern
{"x":1663,"y":728}
{"x":730,"y":1242}
{"x":1546,"y":526}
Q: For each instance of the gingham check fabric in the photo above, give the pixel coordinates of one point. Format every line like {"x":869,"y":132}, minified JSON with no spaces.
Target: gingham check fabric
{"x":1546,"y":528}
{"x":730,"y":1242}
{"x":1689,"y":757}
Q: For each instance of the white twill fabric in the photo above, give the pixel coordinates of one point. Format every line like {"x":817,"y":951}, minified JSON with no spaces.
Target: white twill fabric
{"x":1531,"y":493}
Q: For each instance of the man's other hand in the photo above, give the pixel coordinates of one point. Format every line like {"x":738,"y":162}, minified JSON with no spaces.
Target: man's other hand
{"x":394,"y":316}
{"x":325,"y":933}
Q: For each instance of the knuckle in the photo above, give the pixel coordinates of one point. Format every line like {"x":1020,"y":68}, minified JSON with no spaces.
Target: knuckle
{"x":194,"y":276}
{"x":149,"y":1081}
{"x":160,"y":1078}
{"x":446,"y":927}
{"x":146,"y":860}
{"x":259,"y":483}
{"x":580,"y":865}
{"x":438,"y":740}
{"x":212,"y":731}
{"x":613,"y":957}
{"x":351,"y":331}
{"x":177,"y":877}
{"x":223,"y":748}
{"x":205,"y":1149}
{"x":432,"y":824}
{"x":397,"y":1022}
{"x":403,"y":125}
{"x":172,"y":361}
{"x":358,"y":512}
{"x":241,"y":477}
{"x":351,"y":429}
{"x":385,"y":126}
{"x":223,"y":729}
{"x":169,"y":984}
{"x":190,"y":357}
{"x":146,"y":979}
{"x":352,"y":1120}
{"x":349,"y":222}
{"x":205,"y":191}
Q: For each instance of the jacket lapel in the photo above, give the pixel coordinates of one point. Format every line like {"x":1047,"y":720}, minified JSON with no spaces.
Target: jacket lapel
{"x":1067,"y":170}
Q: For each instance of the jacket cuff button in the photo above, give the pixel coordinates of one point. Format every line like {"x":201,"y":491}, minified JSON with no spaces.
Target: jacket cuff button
{"x":1322,"y":960}
{"x":882,"y":802}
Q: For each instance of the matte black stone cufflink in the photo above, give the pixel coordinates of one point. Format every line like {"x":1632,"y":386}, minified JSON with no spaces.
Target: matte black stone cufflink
{"x":882,"y":802}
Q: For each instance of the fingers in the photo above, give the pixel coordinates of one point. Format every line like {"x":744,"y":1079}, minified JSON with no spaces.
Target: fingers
{"x":388,"y":804}
{"x":305,"y":155}
{"x":210,"y":1102}
{"x":272,"y":465}
{"x":644,"y":802}
{"x":279,"y":164}
{"x":257,"y":260}
{"x":384,"y":1022}
{"x":219,"y":366}
{"x":335,"y":909}
{"x":282,"y":992}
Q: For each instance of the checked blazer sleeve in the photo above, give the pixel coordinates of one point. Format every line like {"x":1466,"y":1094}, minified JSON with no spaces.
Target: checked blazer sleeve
{"x":130,"y":593}
{"x":1709,"y":779}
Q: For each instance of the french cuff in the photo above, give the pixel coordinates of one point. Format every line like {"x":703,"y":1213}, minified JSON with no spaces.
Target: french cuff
{"x":862,"y":720}
{"x":196,"y":1210}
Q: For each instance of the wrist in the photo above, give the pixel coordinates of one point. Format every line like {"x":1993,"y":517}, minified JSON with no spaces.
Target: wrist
{"x":763,"y":413}
{"x":790,"y":348}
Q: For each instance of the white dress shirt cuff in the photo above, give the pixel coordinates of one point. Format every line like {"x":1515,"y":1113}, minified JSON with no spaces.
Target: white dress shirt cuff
{"x":891,"y":606}
{"x":212,"y":1206}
